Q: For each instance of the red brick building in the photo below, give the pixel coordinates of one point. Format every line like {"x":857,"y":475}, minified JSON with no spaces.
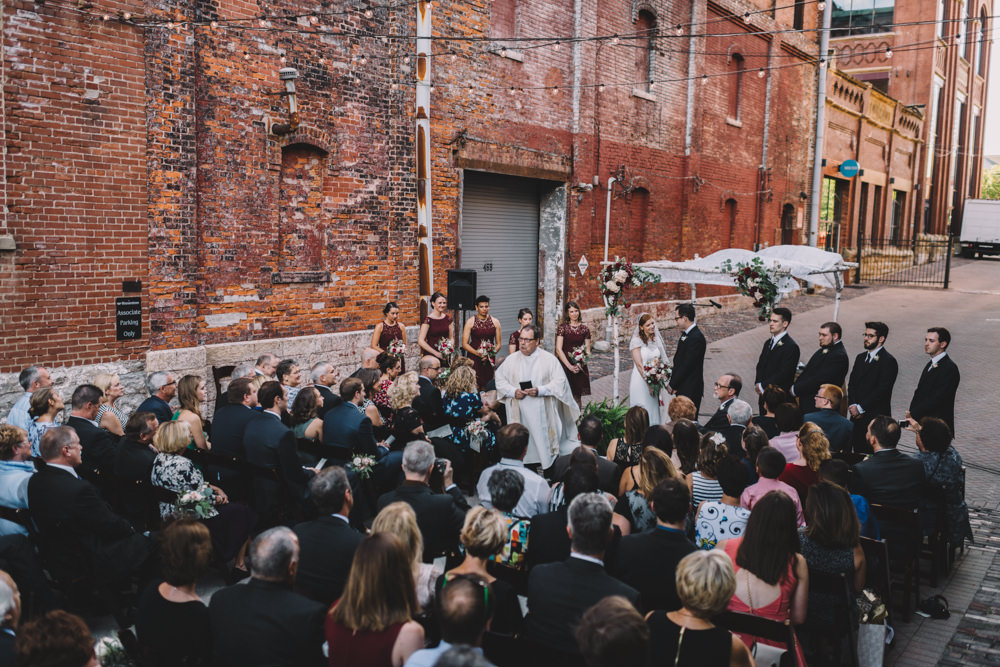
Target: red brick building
{"x":142,"y":155}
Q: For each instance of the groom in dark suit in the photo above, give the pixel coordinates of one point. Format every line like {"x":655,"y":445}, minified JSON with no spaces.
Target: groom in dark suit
{"x":935,"y":394}
{"x":778,"y":358}
{"x":828,"y":365}
{"x":688,"y":377}
{"x":869,"y":389}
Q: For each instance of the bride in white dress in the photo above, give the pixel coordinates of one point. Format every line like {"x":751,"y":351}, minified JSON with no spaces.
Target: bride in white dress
{"x":646,"y":345}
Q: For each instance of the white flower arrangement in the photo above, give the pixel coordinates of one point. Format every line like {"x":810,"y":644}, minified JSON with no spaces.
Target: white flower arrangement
{"x":363,"y":465}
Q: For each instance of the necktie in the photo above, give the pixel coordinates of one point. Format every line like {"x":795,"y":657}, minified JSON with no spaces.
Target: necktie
{"x":928,"y":367}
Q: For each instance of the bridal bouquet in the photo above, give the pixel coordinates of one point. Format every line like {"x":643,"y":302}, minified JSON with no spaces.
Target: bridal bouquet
{"x":363,"y":465}
{"x":756,"y":281}
{"x":397,"y":348}
{"x":489,"y":352}
{"x":196,"y":502}
{"x":446,"y":347}
{"x":578,"y":355}
{"x":477,"y":432}
{"x":615,"y":277}
{"x":657,"y":374}
{"x":111,"y":653}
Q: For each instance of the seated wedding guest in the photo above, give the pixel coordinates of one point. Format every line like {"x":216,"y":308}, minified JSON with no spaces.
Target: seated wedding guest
{"x":230,"y":524}
{"x":327,"y":543}
{"x":738,"y":414}
{"x":803,"y":472}
{"x":657,"y":436}
{"x":287,"y":372}
{"x":646,"y":561}
{"x":162,"y":387}
{"x":464,"y":610}
{"x":10,"y":615}
{"x":380,"y":427}
{"x":839,"y":473}
{"x":788,"y":419}
{"x":830,"y":542}
{"x":191,"y":395}
{"x":230,"y":421}
{"x":306,"y":423}
{"x":612,"y":633}
{"x":132,"y":466}
{"x":439,"y":515}
{"x":399,"y":519}
{"x":625,"y":451}
{"x":402,"y":393}
{"x":78,"y":534}
{"x":559,"y":593}
{"x":550,"y":543}
{"x":770,"y":465}
{"x":263,"y":622}
{"x":719,"y":520}
{"x":111,"y":418}
{"x":705,"y":584}
{"x":506,"y":488}
{"x":581,"y":456}
{"x":347,"y":431}
{"x":769,"y":566}
{"x":31,"y":380}
{"x":945,"y":480}
{"x":590,"y":431}
{"x":98,"y":446}
{"x":325,"y":378}
{"x":512,"y":445}
{"x":429,"y":404}
{"x":372,"y":622}
{"x":369,"y":361}
{"x":57,"y":639}
{"x":680,"y":407}
{"x":242,"y":370}
{"x":773,"y":396}
{"x":462,"y":405}
{"x":703,"y":482}
{"x":838,"y":429}
{"x":687,"y":445}
{"x":483,"y":536}
{"x":16,"y":468}
{"x":266,"y":366}
{"x":754,"y":440}
{"x":171,"y":621}
{"x":889,"y":477}
{"x":632,"y":513}
{"x":44,"y":409}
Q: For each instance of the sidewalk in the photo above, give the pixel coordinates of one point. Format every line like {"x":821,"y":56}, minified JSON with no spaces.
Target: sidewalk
{"x":970,"y":309}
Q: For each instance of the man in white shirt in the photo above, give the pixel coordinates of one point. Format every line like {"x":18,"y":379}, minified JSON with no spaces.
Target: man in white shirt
{"x":512,"y":443}
{"x":31,"y":380}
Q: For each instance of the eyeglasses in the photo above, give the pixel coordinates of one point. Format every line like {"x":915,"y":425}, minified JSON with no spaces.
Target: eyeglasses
{"x":822,"y":397}
{"x":526,"y":340}
{"x":722,"y":386}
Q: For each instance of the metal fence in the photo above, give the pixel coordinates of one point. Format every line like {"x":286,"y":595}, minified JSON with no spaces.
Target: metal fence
{"x":887,"y":261}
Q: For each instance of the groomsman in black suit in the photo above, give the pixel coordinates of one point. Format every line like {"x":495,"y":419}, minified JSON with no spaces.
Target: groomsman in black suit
{"x":828,"y":365}
{"x":778,"y":358}
{"x":935,"y":394}
{"x":689,"y":360}
{"x":869,"y":389}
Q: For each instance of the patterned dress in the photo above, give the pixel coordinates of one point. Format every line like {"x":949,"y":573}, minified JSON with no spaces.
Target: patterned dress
{"x":462,"y":409}
{"x":575,"y":336}
{"x":391,"y":332}
{"x":482,"y":330}
{"x":436,"y":330}
{"x":515,"y":339}
{"x":717,"y":522}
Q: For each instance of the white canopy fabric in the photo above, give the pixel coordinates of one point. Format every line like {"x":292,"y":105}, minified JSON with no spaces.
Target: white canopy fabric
{"x":803,"y":262}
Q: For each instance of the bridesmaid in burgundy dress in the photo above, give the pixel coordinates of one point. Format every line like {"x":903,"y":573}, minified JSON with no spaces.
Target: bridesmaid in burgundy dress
{"x":435,"y":327}
{"x":571,"y":334}
{"x":388,"y":330}
{"x":524,"y":318}
{"x":483,"y":327}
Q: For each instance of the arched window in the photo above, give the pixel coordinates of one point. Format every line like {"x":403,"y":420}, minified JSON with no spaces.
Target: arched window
{"x":303,"y":242}
{"x":730,"y":219}
{"x":736,"y":69}
{"x":638,"y":219}
{"x":981,"y":45}
{"x":503,"y":19}
{"x":645,"y":30}
{"x":788,"y":225}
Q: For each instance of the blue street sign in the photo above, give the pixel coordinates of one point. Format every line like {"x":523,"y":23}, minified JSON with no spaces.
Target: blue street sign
{"x":849,"y":168}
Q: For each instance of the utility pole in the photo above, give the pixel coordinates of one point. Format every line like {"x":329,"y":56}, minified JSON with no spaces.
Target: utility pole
{"x":824,"y":65}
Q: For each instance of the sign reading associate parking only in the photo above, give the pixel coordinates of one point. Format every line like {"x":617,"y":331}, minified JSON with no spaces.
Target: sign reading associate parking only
{"x":128,"y":318}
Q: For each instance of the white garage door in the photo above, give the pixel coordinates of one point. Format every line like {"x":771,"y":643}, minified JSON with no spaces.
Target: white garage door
{"x":500,"y":242}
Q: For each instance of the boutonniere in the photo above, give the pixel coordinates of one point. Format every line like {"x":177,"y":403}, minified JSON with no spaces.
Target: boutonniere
{"x":875,"y":358}
{"x":780,"y":343}
{"x":934,"y":365}
{"x":825,"y":350}
{"x":683,"y":338}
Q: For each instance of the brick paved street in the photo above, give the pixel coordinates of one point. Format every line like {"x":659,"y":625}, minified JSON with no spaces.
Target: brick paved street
{"x":970,"y":309}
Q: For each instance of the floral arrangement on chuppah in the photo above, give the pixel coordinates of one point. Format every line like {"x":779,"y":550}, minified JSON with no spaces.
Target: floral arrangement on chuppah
{"x":615,"y":278}
{"x":756,"y":281}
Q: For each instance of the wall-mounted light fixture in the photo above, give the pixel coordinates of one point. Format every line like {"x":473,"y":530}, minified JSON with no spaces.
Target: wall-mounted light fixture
{"x":288,"y":75}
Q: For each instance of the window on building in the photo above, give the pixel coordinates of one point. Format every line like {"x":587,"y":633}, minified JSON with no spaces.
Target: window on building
{"x":503,"y":18}
{"x":898,"y":207}
{"x":862,"y":229}
{"x":958,"y":155}
{"x":968,"y":32}
{"x":939,"y":17}
{"x":799,"y":15}
{"x":833,"y":197}
{"x":879,"y":80}
{"x":861,"y":17}
{"x":303,"y":241}
{"x":730,"y":219}
{"x":976,"y":152}
{"x":877,"y":231}
{"x":737,"y":67}
{"x":645,"y":30}
{"x":638,"y":218}
{"x":981,"y":46}
{"x":788,"y":235}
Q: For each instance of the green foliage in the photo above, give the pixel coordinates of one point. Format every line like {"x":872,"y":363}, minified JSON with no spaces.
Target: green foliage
{"x":612,"y":416}
{"x":991,"y":183}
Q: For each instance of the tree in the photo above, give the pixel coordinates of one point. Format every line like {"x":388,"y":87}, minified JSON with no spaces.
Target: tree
{"x":991,"y":183}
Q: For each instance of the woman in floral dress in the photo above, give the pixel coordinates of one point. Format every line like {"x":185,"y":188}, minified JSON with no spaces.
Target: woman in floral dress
{"x":388,"y":330}
{"x":483,"y":330}
{"x":462,"y":405}
{"x":573,"y":334}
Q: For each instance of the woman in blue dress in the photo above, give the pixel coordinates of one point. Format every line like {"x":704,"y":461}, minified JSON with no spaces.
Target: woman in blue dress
{"x":462,"y":405}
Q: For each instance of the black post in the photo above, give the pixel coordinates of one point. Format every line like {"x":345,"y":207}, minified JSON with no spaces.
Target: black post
{"x":947,"y":261}
{"x":857,"y":271}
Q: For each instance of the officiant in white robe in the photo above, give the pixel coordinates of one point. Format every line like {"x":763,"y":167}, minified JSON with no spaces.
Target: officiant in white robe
{"x":547,"y":408}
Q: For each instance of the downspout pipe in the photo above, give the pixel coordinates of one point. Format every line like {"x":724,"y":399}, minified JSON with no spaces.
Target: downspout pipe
{"x":607,"y":234}
{"x":817,"y":183}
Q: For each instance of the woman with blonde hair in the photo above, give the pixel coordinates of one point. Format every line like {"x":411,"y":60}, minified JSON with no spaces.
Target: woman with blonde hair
{"x":803,"y":472}
{"x":463,"y":405}
{"x":372,"y":622}
{"x":191,"y":394}
{"x":625,"y":451}
{"x":404,"y":390}
{"x":633,"y":513}
{"x":109,"y":417}
{"x":400,"y":520}
{"x":483,"y":536}
{"x":45,"y":406}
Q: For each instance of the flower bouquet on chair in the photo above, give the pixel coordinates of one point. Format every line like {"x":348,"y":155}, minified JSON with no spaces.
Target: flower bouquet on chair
{"x":477,"y":433}
{"x":196,"y":503}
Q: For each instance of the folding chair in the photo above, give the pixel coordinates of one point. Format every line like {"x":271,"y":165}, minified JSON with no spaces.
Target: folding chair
{"x":837,"y":588}
{"x":901,"y":529}
{"x":762,"y":628}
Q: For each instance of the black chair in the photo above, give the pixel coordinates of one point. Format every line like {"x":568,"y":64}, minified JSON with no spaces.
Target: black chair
{"x":21,"y":517}
{"x":851,"y":458}
{"x":762,"y":628}
{"x":837,"y":591}
{"x":904,"y":538}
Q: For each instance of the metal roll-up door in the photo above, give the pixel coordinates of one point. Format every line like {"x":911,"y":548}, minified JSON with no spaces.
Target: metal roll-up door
{"x":500,"y":242}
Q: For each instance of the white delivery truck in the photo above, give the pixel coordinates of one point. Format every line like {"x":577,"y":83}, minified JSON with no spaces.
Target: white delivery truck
{"x":980,"y":228}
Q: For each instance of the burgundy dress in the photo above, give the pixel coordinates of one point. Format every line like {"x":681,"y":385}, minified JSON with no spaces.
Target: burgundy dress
{"x":436,"y":330}
{"x":482,"y":330}
{"x":391,"y":332}
{"x":575,"y":336}
{"x":349,"y":648}
{"x":515,"y":340}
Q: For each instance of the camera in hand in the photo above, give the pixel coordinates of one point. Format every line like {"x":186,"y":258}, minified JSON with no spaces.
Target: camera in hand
{"x":437,"y":475}
{"x":904,"y":423}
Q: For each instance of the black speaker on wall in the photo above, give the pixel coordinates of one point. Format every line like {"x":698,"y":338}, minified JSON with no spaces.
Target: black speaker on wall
{"x":461,"y":289}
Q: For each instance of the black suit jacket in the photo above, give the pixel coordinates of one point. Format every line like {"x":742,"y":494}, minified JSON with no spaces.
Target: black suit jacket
{"x":158,"y":407}
{"x":648,"y":561}
{"x":348,"y":429}
{"x":430,"y":405}
{"x":734,"y":439}
{"x":78,"y":533}
{"x":265,"y":624}
{"x":330,"y":399}
{"x":688,"y":377}
{"x":326,"y":550}
{"x":838,"y":430}
{"x":133,"y":464}
{"x":440,"y":516}
{"x":228,"y":428}
{"x":828,"y":365}
{"x":99,"y":447}
{"x":890,"y":477}
{"x":870,"y":385}
{"x":559,"y":593}
{"x":720,"y":419}
{"x":271,"y":444}
{"x":935,"y":394}
{"x":608,"y":474}
{"x":777,"y":366}
{"x":549,"y":540}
